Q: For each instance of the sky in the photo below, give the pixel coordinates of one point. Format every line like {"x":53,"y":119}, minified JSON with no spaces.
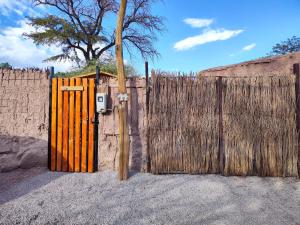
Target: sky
{"x":199,"y":34}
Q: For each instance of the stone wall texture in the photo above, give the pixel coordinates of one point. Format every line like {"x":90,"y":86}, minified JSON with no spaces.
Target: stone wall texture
{"x":24,"y":102}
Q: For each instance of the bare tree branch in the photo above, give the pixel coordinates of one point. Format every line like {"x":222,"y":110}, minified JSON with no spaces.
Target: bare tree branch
{"x":78,"y":25}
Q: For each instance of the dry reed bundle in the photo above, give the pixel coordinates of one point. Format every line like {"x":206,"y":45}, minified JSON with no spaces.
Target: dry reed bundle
{"x":259,"y":125}
{"x":183,"y":126}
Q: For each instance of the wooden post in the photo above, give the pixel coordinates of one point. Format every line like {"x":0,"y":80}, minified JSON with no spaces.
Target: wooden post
{"x":221,"y":136}
{"x":296,"y":71}
{"x":49,"y":115}
{"x":147,"y":86}
{"x":96,"y":121}
{"x":148,"y":164}
{"x":123,"y":98}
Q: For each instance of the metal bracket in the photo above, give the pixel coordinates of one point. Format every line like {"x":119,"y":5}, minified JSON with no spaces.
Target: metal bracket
{"x":122,"y":97}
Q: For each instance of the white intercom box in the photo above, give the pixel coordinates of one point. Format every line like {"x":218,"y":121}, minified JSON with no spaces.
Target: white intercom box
{"x":101,"y":103}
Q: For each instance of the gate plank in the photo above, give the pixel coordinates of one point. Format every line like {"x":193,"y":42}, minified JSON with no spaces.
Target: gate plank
{"x":71,"y":128}
{"x":91,"y":126}
{"x":77,"y":126}
{"x":65,"y":127}
{"x":84,"y":125}
{"x":53,"y":124}
{"x":59,"y":125}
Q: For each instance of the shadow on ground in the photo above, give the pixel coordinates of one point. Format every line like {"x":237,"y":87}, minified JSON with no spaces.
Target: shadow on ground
{"x":17,"y":183}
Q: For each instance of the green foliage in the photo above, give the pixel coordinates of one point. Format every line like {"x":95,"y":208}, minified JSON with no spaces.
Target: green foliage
{"x":290,"y":45}
{"x":78,"y":28}
{"x":5,"y":65}
{"x":109,"y":67}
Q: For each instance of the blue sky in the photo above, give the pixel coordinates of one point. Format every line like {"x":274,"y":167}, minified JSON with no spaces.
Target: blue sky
{"x":199,"y":33}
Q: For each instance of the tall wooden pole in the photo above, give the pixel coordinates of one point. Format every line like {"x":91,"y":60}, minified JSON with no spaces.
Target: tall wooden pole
{"x":123,"y":98}
{"x":296,"y":70}
{"x":148,"y":164}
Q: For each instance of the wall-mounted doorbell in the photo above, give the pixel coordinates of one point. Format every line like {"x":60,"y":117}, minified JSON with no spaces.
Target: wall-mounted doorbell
{"x":101,"y":102}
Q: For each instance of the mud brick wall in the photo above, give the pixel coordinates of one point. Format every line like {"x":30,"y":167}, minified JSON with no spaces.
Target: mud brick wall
{"x":23,"y":118}
{"x":108,"y":125}
{"x":276,"y":65}
{"x":24,"y":103}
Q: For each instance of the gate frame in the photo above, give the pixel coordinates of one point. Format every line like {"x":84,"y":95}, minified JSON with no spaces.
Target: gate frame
{"x":95,"y":121}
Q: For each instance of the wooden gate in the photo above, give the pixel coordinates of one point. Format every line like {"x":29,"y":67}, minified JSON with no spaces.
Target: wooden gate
{"x":73,"y":136}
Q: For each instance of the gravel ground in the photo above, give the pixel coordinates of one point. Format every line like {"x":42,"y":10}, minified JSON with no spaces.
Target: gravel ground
{"x":37,"y":196}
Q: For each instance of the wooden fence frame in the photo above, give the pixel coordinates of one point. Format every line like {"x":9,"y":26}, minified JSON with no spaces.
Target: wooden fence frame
{"x":219,"y":84}
{"x":296,"y":71}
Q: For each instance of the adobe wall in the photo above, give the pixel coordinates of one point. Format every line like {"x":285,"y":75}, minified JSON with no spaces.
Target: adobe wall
{"x":278,"y":65}
{"x":24,"y":102}
{"x":108,"y":125}
{"x":23,"y":118}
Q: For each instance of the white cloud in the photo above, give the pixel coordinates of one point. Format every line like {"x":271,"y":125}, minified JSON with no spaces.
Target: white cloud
{"x":20,"y":7}
{"x":21,"y":52}
{"x":198,"y":23}
{"x":249,"y":47}
{"x":206,"y":37}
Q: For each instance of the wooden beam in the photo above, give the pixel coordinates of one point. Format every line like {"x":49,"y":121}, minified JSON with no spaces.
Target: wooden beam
{"x":50,"y":164}
{"x":59,"y":125}
{"x":72,"y":88}
{"x":71,"y":127}
{"x":65,"y":127}
{"x":123,"y":106}
{"x":221,"y":136}
{"x":148,"y":164}
{"x":77,"y":126}
{"x":53,"y":124}
{"x":91,"y":126}
{"x":84,"y":125}
{"x":296,"y":70}
{"x":94,"y":74}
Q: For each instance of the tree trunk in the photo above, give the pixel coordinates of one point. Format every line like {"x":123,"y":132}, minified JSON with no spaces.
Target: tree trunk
{"x":123,"y":106}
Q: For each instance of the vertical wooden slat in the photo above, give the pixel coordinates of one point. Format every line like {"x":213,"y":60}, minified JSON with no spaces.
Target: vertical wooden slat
{"x":50,"y":120}
{"x":77,"y":126}
{"x":91,"y":126}
{"x":221,"y":136}
{"x":84,"y":125}
{"x":96,"y":121}
{"x":296,"y":70}
{"x":53,"y":124}
{"x":71,"y":128}
{"x":65,"y":126}
{"x":148,"y":164}
{"x":59,"y":125}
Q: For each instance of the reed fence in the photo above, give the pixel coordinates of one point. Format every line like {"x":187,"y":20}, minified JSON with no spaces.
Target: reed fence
{"x":232,"y":126}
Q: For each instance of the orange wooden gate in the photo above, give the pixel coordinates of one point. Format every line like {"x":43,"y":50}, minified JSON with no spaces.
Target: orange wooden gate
{"x":72,"y":135}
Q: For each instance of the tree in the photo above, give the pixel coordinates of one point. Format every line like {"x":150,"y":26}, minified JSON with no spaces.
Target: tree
{"x":290,"y":45}
{"x":79,"y":28}
{"x":107,"y":66}
{"x":5,"y":65}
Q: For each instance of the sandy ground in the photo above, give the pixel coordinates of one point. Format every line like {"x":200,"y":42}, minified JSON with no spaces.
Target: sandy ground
{"x":37,"y":196}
